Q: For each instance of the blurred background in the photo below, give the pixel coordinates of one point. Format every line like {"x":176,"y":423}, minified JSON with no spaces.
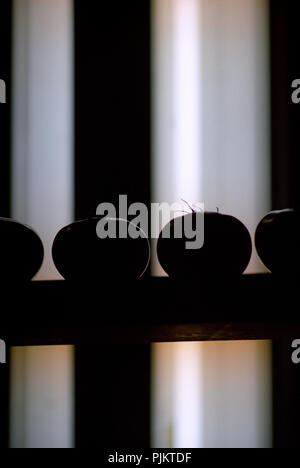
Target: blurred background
{"x":160,"y":100}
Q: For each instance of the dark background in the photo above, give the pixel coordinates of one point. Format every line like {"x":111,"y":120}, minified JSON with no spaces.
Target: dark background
{"x":112,"y":146}
{"x":112,"y":151}
{"x":285,"y":115}
{"x":5,"y":109}
{"x":112,"y":96}
{"x":5,"y":74}
{"x":112,"y":102}
{"x":285,"y":146}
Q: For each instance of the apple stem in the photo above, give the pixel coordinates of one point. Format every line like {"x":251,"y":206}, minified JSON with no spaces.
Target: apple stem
{"x":193,"y":211}
{"x":218,"y":209}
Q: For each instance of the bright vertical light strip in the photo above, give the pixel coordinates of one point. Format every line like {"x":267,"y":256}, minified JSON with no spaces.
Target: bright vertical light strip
{"x":186,"y":75}
{"x":228,"y":52}
{"x":188,"y":400}
{"x":162,"y":119}
{"x":212,"y":394}
{"x":41,"y":397}
{"x":177,"y":395}
{"x":162,"y":395}
{"x":176,"y":104}
{"x":236,"y":389}
{"x":42,"y":387}
{"x":176,"y":175}
{"x":236,"y":106}
{"x":42,"y":143}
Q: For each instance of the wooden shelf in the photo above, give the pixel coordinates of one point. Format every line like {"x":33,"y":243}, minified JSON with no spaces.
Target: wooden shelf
{"x":151,"y":309}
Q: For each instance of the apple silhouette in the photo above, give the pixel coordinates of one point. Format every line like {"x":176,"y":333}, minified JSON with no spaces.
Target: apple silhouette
{"x":79,"y":254}
{"x":226,"y":250}
{"x":277,"y":239}
{"x":21,"y":251}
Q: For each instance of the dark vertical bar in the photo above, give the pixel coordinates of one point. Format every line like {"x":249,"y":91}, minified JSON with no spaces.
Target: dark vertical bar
{"x":4,"y":386}
{"x":112,"y":157}
{"x":281,"y":170}
{"x":286,"y":404}
{"x":5,"y":109}
{"x":112,"y":103}
{"x":294,"y":109}
{"x":112,"y":396}
{"x":5,"y":135}
{"x":285,"y":115}
{"x":285,"y":144}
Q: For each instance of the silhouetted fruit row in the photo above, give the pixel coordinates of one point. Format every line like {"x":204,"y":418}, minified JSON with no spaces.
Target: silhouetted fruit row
{"x":226,"y":250}
{"x":21,"y":251}
{"x":227,"y":246}
{"x":277,"y":241}
{"x":79,"y":254}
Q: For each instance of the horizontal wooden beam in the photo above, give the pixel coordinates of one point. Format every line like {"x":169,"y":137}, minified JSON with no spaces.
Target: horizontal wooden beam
{"x":153,"y":309}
